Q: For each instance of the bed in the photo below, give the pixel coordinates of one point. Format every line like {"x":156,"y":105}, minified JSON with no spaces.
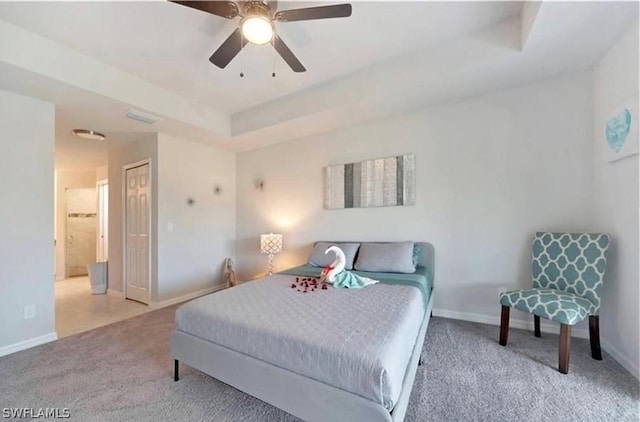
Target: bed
{"x":324,"y":355}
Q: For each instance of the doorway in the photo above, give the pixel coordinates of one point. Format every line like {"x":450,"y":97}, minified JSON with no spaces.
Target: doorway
{"x":80,"y":230}
{"x":76,"y":308}
{"x":102,"y":247}
{"x":137,"y":224}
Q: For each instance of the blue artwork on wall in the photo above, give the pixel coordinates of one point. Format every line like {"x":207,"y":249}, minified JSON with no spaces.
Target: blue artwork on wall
{"x":621,"y":131}
{"x":617,"y":129}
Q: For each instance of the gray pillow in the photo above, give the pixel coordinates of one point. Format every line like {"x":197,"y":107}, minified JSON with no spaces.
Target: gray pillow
{"x":396,"y":257}
{"x":319,"y":259}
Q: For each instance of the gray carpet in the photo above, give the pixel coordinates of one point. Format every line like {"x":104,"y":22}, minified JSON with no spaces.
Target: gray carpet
{"x":124,"y":372}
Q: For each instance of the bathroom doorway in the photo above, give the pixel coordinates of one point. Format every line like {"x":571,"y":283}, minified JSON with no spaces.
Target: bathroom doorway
{"x":103,"y":221}
{"x":81,"y":229}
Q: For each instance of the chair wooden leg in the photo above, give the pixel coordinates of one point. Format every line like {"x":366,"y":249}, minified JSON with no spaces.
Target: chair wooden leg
{"x":536,"y":325}
{"x":176,"y":370}
{"x":594,"y":336}
{"x":504,"y":325}
{"x":565,"y":348}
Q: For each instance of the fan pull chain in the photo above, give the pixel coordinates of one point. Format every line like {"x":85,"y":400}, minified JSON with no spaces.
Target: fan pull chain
{"x":273,"y":42}
{"x":241,"y":55}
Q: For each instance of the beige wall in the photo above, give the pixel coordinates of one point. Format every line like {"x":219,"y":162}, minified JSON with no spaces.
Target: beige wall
{"x":102,"y":173}
{"x":26,"y":221}
{"x":67,"y":179}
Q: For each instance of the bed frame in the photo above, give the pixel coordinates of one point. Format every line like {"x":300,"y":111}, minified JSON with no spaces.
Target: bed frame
{"x":301,"y":396}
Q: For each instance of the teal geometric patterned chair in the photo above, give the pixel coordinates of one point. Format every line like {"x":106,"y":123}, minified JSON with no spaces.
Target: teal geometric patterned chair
{"x":567,"y":272}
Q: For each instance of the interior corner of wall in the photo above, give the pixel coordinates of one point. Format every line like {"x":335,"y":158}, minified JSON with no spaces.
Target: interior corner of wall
{"x":528,"y":17}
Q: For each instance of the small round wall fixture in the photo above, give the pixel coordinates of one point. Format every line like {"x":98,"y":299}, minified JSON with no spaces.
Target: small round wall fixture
{"x":90,"y":135}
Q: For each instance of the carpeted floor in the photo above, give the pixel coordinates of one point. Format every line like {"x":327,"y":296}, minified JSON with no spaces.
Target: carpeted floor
{"x":124,"y":372}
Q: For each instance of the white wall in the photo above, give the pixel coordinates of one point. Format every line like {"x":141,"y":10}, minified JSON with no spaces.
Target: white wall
{"x":118,"y":158}
{"x":615,"y":80}
{"x":490,"y":171}
{"x":187,"y":258}
{"x":193,"y":240}
{"x":26,"y":221}
{"x":67,"y":179}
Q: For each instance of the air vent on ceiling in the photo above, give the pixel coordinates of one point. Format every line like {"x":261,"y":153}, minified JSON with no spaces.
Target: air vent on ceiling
{"x":142,"y":117}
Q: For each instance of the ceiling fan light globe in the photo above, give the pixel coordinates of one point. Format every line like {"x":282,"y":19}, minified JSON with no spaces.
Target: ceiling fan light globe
{"x":257,"y":29}
{"x":90,"y":135}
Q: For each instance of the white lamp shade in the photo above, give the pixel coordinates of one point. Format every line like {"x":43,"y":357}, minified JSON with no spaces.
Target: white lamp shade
{"x":271,"y":243}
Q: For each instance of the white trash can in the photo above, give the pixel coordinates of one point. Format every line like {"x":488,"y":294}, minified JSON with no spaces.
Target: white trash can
{"x":98,"y":278}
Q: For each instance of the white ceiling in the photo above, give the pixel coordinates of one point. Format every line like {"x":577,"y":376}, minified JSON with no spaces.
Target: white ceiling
{"x":169,"y":44}
{"x":95,"y":60}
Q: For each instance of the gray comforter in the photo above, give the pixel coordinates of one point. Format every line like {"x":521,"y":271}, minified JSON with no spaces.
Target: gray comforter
{"x":356,"y":340}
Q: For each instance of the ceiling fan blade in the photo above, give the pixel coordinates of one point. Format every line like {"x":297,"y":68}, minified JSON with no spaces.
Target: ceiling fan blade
{"x":287,"y":54}
{"x":310,"y":13}
{"x":225,"y":9}
{"x":228,"y":50}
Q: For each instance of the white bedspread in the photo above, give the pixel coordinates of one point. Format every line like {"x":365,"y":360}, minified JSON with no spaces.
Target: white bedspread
{"x":357,"y":340}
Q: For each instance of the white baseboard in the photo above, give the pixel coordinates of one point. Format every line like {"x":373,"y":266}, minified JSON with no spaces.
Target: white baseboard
{"x":115,"y":293}
{"x":624,"y":361}
{"x":545,"y":327}
{"x":27,"y":344}
{"x":186,"y":297}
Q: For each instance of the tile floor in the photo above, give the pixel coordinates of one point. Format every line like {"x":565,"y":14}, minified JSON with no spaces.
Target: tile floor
{"x":77,"y":310}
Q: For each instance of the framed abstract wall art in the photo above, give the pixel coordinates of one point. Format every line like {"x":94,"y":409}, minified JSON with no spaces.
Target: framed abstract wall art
{"x":383,"y":182}
{"x":621,"y":131}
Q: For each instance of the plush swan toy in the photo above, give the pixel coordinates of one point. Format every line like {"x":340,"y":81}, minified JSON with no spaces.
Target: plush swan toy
{"x":330,"y":271}
{"x":338,"y":276}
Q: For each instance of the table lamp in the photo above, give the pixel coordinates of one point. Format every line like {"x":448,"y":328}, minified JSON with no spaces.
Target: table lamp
{"x":271,"y":244}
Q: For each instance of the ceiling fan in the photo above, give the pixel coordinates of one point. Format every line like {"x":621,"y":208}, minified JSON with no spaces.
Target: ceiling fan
{"x":257,"y":25}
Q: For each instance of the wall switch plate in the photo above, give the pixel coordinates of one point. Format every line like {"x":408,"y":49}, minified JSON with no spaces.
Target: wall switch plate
{"x":29,"y":311}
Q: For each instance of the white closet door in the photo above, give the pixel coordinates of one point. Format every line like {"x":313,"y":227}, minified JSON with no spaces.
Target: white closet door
{"x":137,"y":233}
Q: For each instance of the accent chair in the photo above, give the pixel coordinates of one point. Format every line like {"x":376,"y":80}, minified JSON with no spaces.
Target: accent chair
{"x":567,"y":273}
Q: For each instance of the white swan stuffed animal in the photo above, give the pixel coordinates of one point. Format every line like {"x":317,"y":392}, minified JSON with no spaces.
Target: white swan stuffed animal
{"x":329,"y":272}
{"x":338,"y":276}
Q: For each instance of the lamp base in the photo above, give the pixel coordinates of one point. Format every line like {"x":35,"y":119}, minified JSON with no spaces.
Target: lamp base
{"x":271,"y":256}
